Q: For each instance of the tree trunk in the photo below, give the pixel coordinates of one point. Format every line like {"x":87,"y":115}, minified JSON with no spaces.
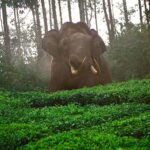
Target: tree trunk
{"x":35,"y":25}
{"x":126,"y":14}
{"x":140,"y":12}
{"x":6,"y":35}
{"x":39,"y":34}
{"x":2,"y":27}
{"x":19,"y":30}
{"x":15,"y":20}
{"x":86,"y":13}
{"x":145,"y":7}
{"x":44,"y":15}
{"x":60,"y":12}
{"x":112,"y":33}
{"x":107,"y":20}
{"x":81,"y":10}
{"x":95,"y":14}
{"x":50,"y":14}
{"x":69,"y":10}
{"x":54,"y":14}
{"x":91,"y":13}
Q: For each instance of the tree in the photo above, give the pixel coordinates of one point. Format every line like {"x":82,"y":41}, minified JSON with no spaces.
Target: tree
{"x":81,"y":10}
{"x":6,"y":35}
{"x":17,"y":24}
{"x":95,"y":14}
{"x":86,"y":12}
{"x":107,"y":20}
{"x":149,"y":4}
{"x":140,"y":12}
{"x":54,"y":14}
{"x":44,"y":15}
{"x":69,"y":10}
{"x":91,"y":13}
{"x":39,"y":34}
{"x":60,"y":12}
{"x":146,"y":11}
{"x":34,"y":21}
{"x":126,"y":14}
{"x":50,"y":14}
{"x":112,"y":30}
{"x":34,"y":6}
{"x":2,"y":27}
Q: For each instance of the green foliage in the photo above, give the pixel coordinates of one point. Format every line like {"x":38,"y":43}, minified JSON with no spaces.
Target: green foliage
{"x":81,"y":123}
{"x":129,"y":55}
{"x":141,"y":123}
{"x":88,"y":139}
{"x":20,"y":76}
{"x":14,"y":135}
{"x":132,"y":91}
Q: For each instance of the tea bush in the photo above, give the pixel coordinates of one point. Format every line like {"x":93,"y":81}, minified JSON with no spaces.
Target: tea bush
{"x":133,"y":91}
{"x":88,"y":139}
{"x":115,"y":116}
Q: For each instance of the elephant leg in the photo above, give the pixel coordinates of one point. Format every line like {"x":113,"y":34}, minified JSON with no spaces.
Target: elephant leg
{"x":57,"y":79}
{"x":54,"y":86}
{"x":55,"y":83}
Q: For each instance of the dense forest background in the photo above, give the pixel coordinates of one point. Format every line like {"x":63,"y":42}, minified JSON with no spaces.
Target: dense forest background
{"x":24,"y":65}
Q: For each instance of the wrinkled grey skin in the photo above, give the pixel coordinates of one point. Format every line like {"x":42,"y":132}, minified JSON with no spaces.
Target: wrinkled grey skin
{"x":76,"y":49}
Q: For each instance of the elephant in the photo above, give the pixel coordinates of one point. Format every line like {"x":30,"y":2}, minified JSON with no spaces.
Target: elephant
{"x":77,"y":59}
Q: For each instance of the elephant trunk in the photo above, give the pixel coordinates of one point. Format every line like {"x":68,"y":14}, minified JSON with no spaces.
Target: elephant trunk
{"x":95,"y":68}
{"x":76,"y":71}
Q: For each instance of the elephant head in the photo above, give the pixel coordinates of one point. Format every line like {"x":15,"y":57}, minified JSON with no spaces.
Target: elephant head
{"x":77,"y":57}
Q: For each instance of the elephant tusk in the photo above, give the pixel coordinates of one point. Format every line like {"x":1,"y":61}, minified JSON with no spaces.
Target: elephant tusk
{"x":74,"y":71}
{"x":97,"y":65}
{"x":94,"y":71}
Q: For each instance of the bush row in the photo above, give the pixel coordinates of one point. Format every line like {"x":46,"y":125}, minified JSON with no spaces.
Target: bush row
{"x":126,"y":133}
{"x":133,"y":91}
{"x":15,"y":135}
{"x":88,"y":139}
{"x":27,"y":126}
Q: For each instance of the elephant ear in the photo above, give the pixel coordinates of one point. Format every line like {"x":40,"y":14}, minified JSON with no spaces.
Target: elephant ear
{"x":50,"y":42}
{"x":98,"y":45}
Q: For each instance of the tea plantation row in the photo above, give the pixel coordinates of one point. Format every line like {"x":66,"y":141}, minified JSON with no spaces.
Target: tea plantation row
{"x":115,"y":116}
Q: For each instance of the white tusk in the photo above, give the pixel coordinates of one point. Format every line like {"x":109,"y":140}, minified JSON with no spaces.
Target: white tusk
{"x":97,"y":65}
{"x":73,"y":71}
{"x":94,"y":71}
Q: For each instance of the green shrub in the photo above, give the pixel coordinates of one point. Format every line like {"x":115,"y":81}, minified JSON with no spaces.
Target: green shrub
{"x":133,"y":91}
{"x":88,"y":139}
{"x":22,"y":126}
{"x":138,"y":126}
{"x":115,"y":116}
{"x":129,"y":55}
{"x":14,"y":135}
